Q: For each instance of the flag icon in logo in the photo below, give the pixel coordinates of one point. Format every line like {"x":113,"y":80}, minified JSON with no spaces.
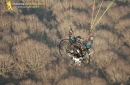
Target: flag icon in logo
{"x":9,"y":5}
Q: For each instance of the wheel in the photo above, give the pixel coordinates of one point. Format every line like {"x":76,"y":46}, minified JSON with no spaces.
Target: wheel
{"x":86,"y":60}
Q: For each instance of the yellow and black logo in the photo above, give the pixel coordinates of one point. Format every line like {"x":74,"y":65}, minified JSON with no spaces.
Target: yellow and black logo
{"x":9,"y":5}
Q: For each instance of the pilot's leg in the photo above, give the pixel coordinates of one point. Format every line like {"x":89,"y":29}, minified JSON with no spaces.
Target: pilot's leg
{"x":89,"y":52}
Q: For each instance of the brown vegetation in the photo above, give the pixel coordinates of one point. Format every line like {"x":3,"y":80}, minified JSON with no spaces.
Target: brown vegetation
{"x":29,"y":41}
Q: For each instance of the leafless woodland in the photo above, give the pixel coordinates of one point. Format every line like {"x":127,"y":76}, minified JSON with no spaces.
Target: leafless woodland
{"x":29,"y":41}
